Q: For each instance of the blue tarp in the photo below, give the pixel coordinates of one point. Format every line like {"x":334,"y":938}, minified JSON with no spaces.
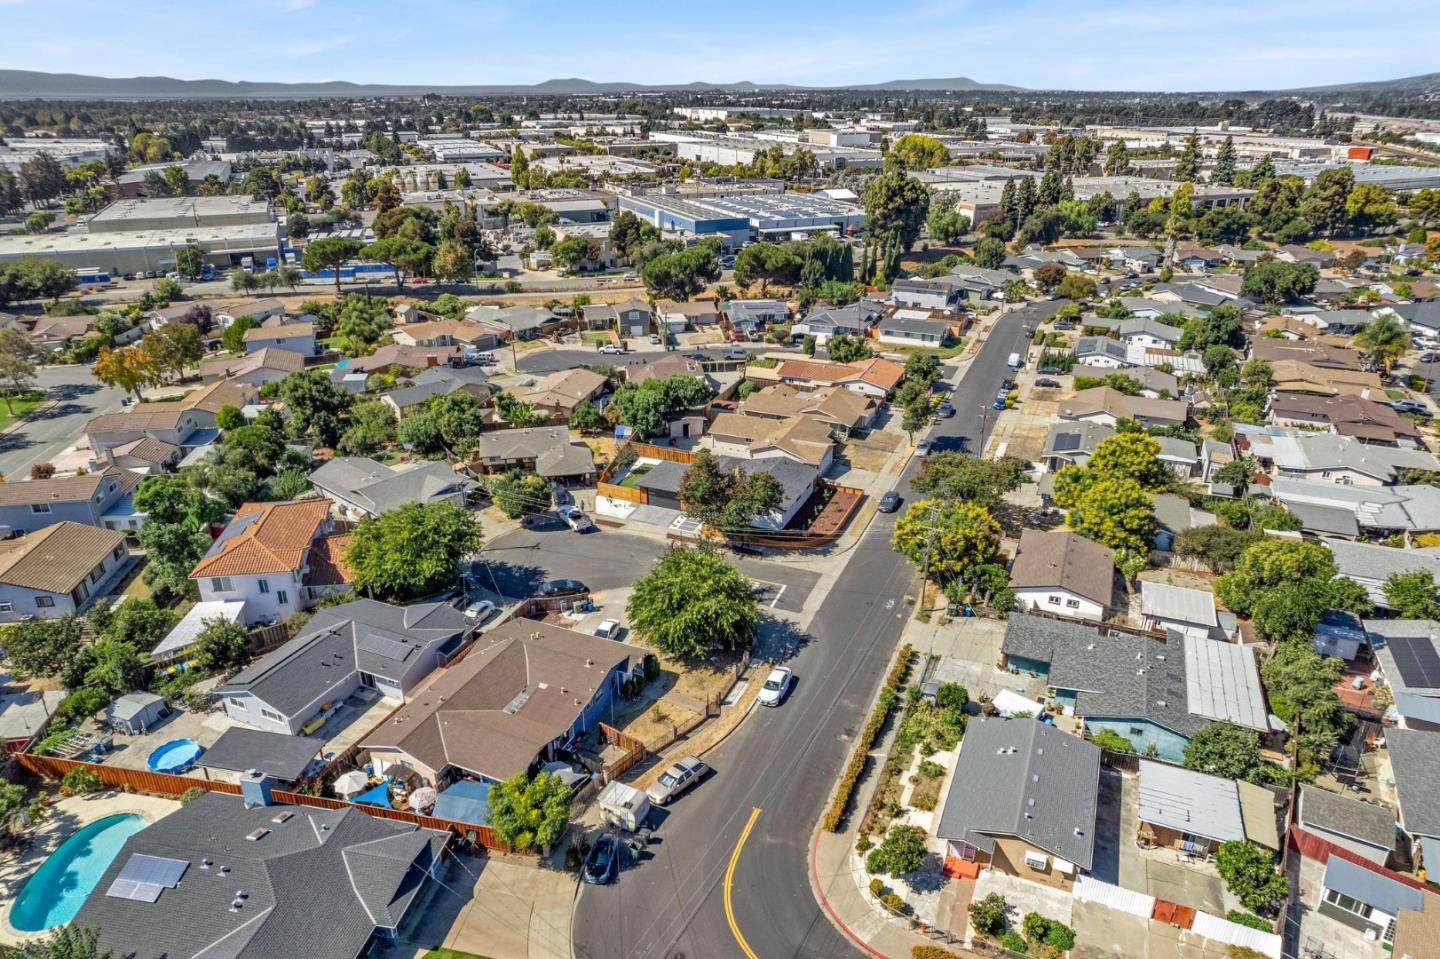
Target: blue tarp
{"x":465,"y":801}
{"x":376,"y":795}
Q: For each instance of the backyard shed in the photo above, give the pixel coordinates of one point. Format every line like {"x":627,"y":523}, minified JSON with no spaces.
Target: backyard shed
{"x":136,"y":713}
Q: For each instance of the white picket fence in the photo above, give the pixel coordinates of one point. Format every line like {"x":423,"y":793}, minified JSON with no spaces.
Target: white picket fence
{"x":1090,"y":889}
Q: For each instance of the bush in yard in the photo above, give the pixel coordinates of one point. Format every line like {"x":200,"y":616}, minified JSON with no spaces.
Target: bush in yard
{"x":877,"y":887}
{"x":951,"y":696}
{"x":190,"y":795}
{"x":1242,"y":918}
{"x":1111,"y":741}
{"x":931,"y":952}
{"x":1060,"y":936}
{"x":901,"y":851}
{"x":81,"y":781}
{"x":987,"y":917}
{"x":925,"y":803}
{"x":81,"y":704}
{"x":1035,"y":926}
{"x":530,"y":812}
{"x":1014,"y":942}
{"x":894,"y":903}
{"x":1249,"y":873}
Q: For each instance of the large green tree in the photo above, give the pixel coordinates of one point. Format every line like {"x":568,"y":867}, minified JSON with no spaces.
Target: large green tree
{"x":727,"y":500}
{"x":956,"y":537}
{"x":961,"y":477}
{"x":330,"y":253}
{"x":43,"y":647}
{"x":1227,"y":751}
{"x":895,"y":209}
{"x":692,"y":603}
{"x":530,"y":812}
{"x":412,"y":550}
{"x":1412,"y":595}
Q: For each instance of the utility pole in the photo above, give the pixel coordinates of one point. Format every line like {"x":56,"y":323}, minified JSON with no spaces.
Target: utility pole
{"x":925,"y":581}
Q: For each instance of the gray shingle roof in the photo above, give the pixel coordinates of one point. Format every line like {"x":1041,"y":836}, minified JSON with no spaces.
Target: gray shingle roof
{"x":1415,"y":764}
{"x":1023,"y":778}
{"x":377,"y":488}
{"x":303,"y":892}
{"x":340,"y":639}
{"x":1361,"y":821}
{"x":239,"y":750}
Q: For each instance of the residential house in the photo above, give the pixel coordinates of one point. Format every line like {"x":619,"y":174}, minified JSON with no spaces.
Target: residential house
{"x":1063,"y":574}
{"x":295,"y":337}
{"x":1023,"y":801}
{"x":392,"y":357}
{"x":261,"y":558}
{"x":519,"y":322}
{"x":1155,"y":692}
{"x":905,"y":330}
{"x":1191,"y":294}
{"x":438,"y":381}
{"x":800,"y":439}
{"x":1294,"y":376}
{"x":938,"y":294}
{"x":676,"y":316}
{"x":266,"y":365}
{"x":1294,"y":253}
{"x":873,"y":377}
{"x":1318,"y":352}
{"x":1102,"y":404}
{"x":1174,"y":515}
{"x":1072,"y":443}
{"x":445,"y":332}
{"x":1371,"y":564}
{"x":522,"y":695}
{"x":1365,"y":420}
{"x":1415,"y":767}
{"x":362,"y":643}
{"x":25,"y":716}
{"x":842,"y":411}
{"x":29,"y":505}
{"x":797,"y":484}
{"x":560,"y":392}
{"x":1192,"y":258}
{"x":544,"y":450}
{"x":221,"y":875}
{"x":1195,"y":813}
{"x":187,"y":423}
{"x":1154,"y":384}
{"x":1338,"y":509}
{"x":1295,"y":454}
{"x":1149,"y":333}
{"x":53,"y":333}
{"x":1139,"y":259}
{"x":632,"y":317}
{"x":1365,"y":828}
{"x":1405,"y":652}
{"x":853,"y":320}
{"x":755,"y":315}
{"x":59,"y":569}
{"x":1101,"y":353}
{"x":1179,"y":609}
{"x":1423,"y":319}
{"x":257,"y":310}
{"x":360,"y":487}
{"x":1142,"y":308}
{"x":1371,"y":900}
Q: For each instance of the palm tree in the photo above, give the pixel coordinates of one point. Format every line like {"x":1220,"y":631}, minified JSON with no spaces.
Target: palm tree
{"x":1386,"y":339}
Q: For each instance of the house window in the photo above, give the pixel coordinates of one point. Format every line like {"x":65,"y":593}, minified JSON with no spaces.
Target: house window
{"x":97,"y":573}
{"x":282,"y":597}
{"x":7,"y":607}
{"x":120,"y":550}
{"x":238,"y":704}
{"x":220,"y":584}
{"x":1348,"y":903}
{"x":1073,"y":603}
{"x":1137,"y":731}
{"x":264,"y":585}
{"x":45,"y":602}
{"x":39,"y":507}
{"x":1054,"y":600}
{"x":271,"y":715}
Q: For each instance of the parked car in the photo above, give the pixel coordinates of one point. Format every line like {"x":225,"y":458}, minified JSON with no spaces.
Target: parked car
{"x":1064,"y":325}
{"x":889,"y":502}
{"x":1051,"y":384}
{"x":777,"y":686}
{"x":922,"y":448}
{"x":655,"y":339}
{"x":683,"y":774}
{"x":945,"y":411}
{"x":609,"y":629}
{"x":603,"y":863}
{"x":1000,"y":398}
{"x":737,"y":353}
{"x":610,"y":349}
{"x":479,"y":610}
{"x":562,"y":587}
{"x":1409,"y":406}
{"x":1007,"y":384}
{"x":575,"y":518}
{"x":1051,"y":370}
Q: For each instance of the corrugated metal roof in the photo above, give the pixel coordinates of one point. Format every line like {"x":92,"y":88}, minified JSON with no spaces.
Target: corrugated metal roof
{"x":1370,"y":887}
{"x":1222,"y":682}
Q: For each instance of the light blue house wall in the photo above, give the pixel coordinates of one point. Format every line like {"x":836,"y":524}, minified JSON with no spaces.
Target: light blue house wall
{"x":1144,"y":734}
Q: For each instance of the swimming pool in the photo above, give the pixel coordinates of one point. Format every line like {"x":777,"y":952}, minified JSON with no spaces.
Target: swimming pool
{"x":54,"y":892}
{"x":176,"y":756}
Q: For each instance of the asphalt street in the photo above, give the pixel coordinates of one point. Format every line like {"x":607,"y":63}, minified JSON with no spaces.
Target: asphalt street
{"x":782,"y":762}
{"x":50,"y":429}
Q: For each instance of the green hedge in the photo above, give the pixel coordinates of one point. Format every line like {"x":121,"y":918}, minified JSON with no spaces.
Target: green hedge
{"x":889,"y":697}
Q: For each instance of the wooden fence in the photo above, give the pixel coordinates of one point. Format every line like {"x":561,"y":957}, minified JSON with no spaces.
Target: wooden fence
{"x":630,"y":494}
{"x":634,"y":750}
{"x":165,"y":784}
{"x":655,"y":452}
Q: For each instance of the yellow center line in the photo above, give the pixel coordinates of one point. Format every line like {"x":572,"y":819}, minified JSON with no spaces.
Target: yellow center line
{"x":729,"y":880}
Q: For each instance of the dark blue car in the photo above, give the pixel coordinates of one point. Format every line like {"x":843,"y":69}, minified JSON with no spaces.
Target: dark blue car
{"x":603,"y":863}
{"x":999,"y":403}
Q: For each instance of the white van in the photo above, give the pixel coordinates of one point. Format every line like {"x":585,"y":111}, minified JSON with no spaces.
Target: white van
{"x":1015,"y":363}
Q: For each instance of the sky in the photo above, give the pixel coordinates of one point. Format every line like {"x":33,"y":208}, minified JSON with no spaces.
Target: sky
{"x":1045,"y":44}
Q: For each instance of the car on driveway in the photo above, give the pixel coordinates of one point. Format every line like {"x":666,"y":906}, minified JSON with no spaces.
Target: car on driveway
{"x":1052,"y":384}
{"x":777,"y":686}
{"x":603,"y":863}
{"x":479,"y":610}
{"x":683,"y":774}
{"x":609,"y":629}
{"x":575,"y":518}
{"x":561,"y":587}
{"x":1410,"y":406}
{"x":889,"y":502}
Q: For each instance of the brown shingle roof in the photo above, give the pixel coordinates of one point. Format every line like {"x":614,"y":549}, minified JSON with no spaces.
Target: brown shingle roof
{"x":63,"y":489}
{"x":268,"y":358}
{"x":57,"y":558}
{"x":287,"y":331}
{"x":147,"y":448}
{"x":1059,"y":558}
{"x":265,"y":538}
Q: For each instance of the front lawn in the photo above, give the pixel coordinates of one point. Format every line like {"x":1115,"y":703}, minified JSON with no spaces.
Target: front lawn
{"x":22,"y":404}
{"x":632,"y":478}
{"x":952,"y":349}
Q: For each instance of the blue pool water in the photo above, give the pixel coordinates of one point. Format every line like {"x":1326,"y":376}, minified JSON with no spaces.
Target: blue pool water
{"x":175,"y":756}
{"x":54,"y":892}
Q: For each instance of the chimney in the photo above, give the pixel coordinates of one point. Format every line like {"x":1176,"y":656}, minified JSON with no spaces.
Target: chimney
{"x":255,"y":789}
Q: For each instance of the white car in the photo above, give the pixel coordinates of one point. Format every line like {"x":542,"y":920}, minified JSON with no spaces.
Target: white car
{"x":575,"y":518}
{"x":611,"y":349}
{"x":610,"y":629}
{"x":777,"y":686}
{"x":479,"y":610}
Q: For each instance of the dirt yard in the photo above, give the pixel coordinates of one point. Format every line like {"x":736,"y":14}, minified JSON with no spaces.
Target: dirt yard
{"x":871,"y":452}
{"x":677,"y":697}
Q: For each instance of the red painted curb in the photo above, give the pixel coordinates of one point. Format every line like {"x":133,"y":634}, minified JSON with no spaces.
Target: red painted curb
{"x":820,"y":892}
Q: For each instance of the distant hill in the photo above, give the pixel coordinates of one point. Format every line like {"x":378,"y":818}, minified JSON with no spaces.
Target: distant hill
{"x":1422,"y":84}
{"x":31,"y":84}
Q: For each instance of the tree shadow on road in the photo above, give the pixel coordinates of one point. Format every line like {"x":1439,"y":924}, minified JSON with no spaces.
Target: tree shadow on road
{"x":779,"y":639}
{"x":511,"y":580}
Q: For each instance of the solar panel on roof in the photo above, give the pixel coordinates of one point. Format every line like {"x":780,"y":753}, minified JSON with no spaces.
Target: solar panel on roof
{"x":153,"y":870}
{"x":137,"y":891}
{"x":1067,"y":441}
{"x":384,"y":646}
{"x":1417,"y":660}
